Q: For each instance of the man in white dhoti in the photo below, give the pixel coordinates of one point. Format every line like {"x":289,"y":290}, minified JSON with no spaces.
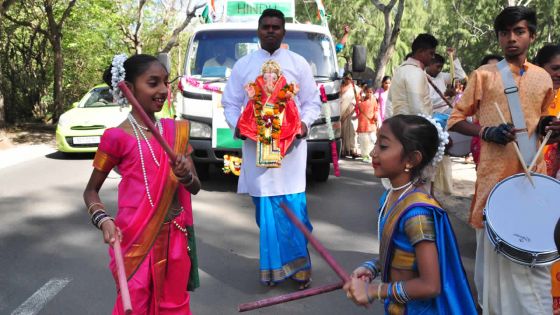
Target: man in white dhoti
{"x":441,"y":80}
{"x":283,"y":248}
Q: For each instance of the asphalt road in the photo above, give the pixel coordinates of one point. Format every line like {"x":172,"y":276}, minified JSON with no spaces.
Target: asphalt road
{"x":53,"y":261}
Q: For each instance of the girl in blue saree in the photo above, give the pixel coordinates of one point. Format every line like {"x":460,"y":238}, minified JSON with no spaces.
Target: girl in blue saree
{"x":419,"y":262}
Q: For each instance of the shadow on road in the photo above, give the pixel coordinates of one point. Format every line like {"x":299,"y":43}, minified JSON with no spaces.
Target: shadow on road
{"x":70,"y":156}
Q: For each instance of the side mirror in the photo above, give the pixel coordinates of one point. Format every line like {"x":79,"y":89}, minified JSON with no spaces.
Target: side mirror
{"x":165,"y":60}
{"x":358,"y":58}
{"x":75,"y":104}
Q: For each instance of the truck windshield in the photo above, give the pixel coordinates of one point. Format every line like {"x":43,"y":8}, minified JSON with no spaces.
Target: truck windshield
{"x":214,"y":53}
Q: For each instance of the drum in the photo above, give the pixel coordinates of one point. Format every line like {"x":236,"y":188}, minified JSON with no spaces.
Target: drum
{"x":520,"y":219}
{"x":461,"y":144}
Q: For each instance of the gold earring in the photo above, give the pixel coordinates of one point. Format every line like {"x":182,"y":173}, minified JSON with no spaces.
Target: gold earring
{"x":407,"y":168}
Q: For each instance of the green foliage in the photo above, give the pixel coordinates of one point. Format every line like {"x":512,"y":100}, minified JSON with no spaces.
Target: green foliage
{"x":463,"y":24}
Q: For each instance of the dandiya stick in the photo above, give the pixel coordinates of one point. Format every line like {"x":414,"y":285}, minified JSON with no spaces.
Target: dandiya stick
{"x":318,"y":246}
{"x":519,"y":156}
{"x":289,"y":297}
{"x":155,"y":132}
{"x":546,"y":137}
{"x":123,"y":284}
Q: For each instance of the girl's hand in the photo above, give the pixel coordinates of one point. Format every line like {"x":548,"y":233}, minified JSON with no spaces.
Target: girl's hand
{"x":363,"y":274}
{"x":110,"y":232}
{"x":182,"y":168}
{"x":356,"y":291}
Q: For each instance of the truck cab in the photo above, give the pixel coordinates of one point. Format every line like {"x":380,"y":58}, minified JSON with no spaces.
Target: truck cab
{"x":212,"y":51}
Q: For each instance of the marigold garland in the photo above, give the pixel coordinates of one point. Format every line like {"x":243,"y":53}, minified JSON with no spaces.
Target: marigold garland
{"x":270,"y":117}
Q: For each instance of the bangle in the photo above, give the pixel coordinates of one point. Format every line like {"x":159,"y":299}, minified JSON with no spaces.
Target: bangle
{"x":96,"y":211}
{"x":90,"y":206}
{"x":379,"y":291}
{"x":107,"y":218}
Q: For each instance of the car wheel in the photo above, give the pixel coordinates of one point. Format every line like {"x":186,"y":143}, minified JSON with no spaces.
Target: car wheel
{"x":320,"y":171}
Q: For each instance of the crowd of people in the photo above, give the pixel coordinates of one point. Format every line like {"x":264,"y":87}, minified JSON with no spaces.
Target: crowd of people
{"x":401,"y":128}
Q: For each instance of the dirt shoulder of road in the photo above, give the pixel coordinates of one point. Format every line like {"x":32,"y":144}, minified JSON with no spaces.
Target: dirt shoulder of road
{"x":27,"y":134}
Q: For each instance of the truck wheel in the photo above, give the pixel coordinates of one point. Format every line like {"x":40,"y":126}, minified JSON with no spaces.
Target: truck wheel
{"x":320,"y":171}
{"x":202,"y":170}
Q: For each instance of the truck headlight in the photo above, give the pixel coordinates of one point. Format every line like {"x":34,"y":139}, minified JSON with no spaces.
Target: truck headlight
{"x":200,"y":130}
{"x":321,"y":132}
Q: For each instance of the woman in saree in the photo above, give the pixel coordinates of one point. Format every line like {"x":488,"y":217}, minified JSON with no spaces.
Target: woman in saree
{"x":348,"y":117}
{"x":154,"y":221}
{"x":419,"y":262}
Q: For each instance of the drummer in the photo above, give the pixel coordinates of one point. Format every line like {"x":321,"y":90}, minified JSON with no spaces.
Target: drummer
{"x":443,"y":180}
{"x":511,"y":288}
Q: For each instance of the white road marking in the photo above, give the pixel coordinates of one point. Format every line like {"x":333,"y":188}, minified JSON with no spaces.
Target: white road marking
{"x":41,"y":297}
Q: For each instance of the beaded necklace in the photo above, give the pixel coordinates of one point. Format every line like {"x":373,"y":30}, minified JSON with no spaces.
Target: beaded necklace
{"x":137,"y":130}
{"x":382,"y":211}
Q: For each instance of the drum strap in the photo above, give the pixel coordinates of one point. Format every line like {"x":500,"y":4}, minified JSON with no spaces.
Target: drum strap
{"x":527,"y":145}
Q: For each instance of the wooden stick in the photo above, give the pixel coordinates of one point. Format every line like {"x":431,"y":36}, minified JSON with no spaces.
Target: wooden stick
{"x":147,"y":121}
{"x":123,"y":284}
{"x":519,"y":156}
{"x":289,"y":297}
{"x":318,"y":246}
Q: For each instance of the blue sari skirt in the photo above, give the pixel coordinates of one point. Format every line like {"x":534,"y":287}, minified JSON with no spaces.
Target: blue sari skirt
{"x":283,"y":248}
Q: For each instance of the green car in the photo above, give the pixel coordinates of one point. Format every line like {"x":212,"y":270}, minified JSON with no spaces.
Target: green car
{"x":80,"y":128}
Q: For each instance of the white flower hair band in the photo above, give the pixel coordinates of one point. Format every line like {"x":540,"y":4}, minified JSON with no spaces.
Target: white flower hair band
{"x":443,"y":137}
{"x":117,"y":75}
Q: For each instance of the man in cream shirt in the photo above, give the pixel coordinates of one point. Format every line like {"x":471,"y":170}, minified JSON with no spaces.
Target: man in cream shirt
{"x":410,"y":93}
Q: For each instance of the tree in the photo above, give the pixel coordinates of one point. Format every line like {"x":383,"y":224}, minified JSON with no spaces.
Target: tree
{"x":390,"y":36}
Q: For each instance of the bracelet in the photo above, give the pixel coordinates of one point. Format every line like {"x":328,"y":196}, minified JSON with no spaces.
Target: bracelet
{"x":100,"y":223}
{"x":379,"y":291}
{"x":96,"y":211}
{"x":90,"y":206}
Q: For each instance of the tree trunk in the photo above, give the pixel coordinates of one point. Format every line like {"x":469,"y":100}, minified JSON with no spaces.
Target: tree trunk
{"x":173,"y":40}
{"x":390,"y":36}
{"x":58,"y":105}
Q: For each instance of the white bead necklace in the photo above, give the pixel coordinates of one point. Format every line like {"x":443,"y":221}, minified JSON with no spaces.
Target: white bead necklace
{"x":382,"y":211}
{"x":135,"y":123}
{"x":136,"y":130}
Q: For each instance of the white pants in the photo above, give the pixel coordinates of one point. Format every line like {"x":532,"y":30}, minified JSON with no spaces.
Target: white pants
{"x":512,"y":288}
{"x":366,"y":141}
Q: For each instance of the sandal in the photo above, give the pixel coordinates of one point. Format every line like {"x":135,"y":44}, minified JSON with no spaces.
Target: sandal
{"x":304,"y":285}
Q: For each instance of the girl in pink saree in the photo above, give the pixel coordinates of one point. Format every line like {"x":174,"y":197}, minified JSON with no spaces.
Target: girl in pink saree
{"x":154,"y":219}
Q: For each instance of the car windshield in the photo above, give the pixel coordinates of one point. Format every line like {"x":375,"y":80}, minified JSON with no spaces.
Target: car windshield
{"x":100,"y":97}
{"x":213,"y":53}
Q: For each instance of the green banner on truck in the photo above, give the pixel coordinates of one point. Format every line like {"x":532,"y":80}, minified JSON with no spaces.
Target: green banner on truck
{"x":250,"y":8}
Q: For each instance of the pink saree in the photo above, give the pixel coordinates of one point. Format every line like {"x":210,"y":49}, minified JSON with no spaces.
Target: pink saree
{"x":155,"y":251}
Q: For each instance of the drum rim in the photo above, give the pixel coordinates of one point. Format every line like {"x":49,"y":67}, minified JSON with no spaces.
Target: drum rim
{"x":489,"y":227}
{"x":539,"y":261}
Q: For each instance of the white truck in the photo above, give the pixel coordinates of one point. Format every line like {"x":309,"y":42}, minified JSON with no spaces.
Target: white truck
{"x":199,"y":101}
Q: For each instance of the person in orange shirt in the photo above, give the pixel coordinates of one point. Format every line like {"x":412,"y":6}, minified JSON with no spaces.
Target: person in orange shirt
{"x":548,"y":58}
{"x":368,"y":120}
{"x":506,"y":287}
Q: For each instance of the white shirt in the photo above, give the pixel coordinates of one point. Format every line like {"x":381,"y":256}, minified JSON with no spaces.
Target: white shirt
{"x":442,"y":80}
{"x":409,"y":93}
{"x":290,"y":177}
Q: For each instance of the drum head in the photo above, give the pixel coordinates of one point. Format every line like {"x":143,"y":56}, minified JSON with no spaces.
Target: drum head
{"x":461,"y":144}
{"x":524,"y":216}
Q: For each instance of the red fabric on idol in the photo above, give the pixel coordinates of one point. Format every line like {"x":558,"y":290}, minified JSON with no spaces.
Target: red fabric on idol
{"x":291,"y":123}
